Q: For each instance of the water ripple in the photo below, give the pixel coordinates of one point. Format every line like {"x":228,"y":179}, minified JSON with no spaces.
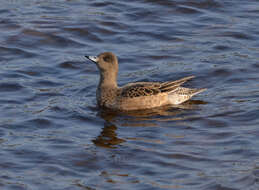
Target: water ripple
{"x":53,"y":135}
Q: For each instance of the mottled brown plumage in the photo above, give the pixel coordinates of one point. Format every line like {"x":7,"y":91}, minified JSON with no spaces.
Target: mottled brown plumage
{"x":139,"y":95}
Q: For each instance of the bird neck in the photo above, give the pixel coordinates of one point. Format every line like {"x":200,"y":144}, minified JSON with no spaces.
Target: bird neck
{"x":108,"y":80}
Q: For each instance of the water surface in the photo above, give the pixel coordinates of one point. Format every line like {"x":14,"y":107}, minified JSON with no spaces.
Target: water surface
{"x":52,"y":134}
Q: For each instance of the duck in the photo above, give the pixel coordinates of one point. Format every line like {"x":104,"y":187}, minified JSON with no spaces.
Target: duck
{"x":136,"y":95}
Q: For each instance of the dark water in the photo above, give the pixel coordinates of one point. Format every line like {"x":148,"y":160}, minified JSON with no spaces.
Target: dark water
{"x":52,"y":135}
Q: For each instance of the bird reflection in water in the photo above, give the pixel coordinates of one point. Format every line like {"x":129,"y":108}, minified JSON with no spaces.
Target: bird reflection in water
{"x":108,"y":137}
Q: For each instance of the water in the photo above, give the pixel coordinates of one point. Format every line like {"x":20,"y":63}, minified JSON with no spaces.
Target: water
{"x":52,"y":135}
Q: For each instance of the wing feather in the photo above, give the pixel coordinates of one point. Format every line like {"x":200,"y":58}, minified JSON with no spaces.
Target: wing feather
{"x":151,"y":88}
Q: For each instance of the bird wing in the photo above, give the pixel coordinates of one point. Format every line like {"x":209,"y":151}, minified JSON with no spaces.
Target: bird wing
{"x":138,"y":89}
{"x":173,"y":85}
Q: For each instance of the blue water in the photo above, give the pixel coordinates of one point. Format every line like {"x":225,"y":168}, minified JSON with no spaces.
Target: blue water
{"x":52,"y":134}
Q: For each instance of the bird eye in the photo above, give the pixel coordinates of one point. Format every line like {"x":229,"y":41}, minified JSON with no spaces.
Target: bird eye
{"x":107,"y":59}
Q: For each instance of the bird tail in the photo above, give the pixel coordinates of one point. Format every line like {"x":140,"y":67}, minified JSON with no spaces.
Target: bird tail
{"x":196,"y":91}
{"x":183,"y":94}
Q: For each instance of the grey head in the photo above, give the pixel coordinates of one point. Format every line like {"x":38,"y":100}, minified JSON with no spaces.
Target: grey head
{"x":106,"y":62}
